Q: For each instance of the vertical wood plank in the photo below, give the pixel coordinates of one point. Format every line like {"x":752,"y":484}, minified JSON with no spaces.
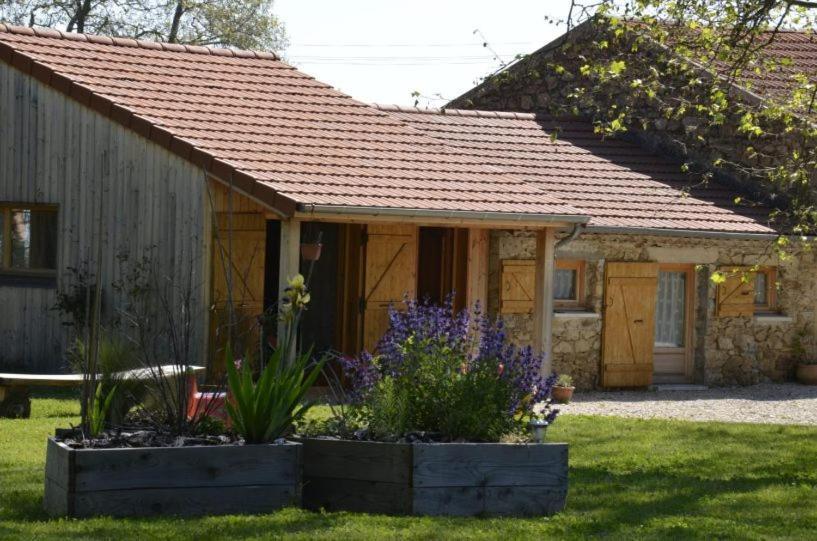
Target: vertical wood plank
{"x":543,"y":297}
{"x":478,"y":244}
{"x":289,"y":258}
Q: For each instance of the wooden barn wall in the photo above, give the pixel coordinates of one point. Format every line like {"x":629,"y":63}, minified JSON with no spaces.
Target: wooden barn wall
{"x":54,"y":150}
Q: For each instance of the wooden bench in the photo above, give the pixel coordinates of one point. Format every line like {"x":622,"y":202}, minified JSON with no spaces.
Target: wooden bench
{"x":15,"y":395}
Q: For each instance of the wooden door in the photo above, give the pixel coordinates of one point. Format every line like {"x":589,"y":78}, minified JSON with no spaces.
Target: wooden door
{"x":239,"y":249}
{"x":390,"y":275}
{"x":629,"y":324}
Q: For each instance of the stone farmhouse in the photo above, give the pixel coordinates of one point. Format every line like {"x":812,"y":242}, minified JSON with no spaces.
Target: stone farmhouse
{"x":652,"y":221}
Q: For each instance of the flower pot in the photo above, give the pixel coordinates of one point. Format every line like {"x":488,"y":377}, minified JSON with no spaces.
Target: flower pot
{"x":807,"y":374}
{"x":186,"y":481}
{"x":462,"y":479}
{"x":562,"y":395}
{"x":311,"y":252}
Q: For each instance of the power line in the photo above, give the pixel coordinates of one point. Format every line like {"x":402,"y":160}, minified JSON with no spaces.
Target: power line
{"x":396,"y":58}
{"x":418,"y":45}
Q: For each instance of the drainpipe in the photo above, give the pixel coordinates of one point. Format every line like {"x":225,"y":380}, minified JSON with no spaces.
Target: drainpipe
{"x":574,"y":233}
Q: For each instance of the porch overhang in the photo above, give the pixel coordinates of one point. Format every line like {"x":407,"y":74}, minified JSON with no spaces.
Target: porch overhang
{"x":505,"y":220}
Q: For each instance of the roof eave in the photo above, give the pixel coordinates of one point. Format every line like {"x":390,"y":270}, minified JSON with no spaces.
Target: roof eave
{"x":484,"y":219}
{"x":666,"y":232}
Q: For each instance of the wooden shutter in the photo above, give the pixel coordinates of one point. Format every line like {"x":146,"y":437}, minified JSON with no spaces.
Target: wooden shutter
{"x":518,"y":284}
{"x":629,"y":324}
{"x":736,"y":295}
{"x":391,"y":274}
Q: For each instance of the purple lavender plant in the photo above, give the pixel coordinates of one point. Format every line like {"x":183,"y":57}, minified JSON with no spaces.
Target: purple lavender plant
{"x":445,"y":361}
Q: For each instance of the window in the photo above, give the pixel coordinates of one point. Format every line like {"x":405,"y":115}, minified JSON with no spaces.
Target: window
{"x":765,"y":289}
{"x":28,"y":239}
{"x":568,"y":283}
{"x":670,"y":310}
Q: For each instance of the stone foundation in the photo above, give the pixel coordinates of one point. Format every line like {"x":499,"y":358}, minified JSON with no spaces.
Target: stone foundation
{"x":727,"y":350}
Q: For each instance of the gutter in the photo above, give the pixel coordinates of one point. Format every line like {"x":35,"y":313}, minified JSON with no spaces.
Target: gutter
{"x":683,"y":233}
{"x":443,"y":214}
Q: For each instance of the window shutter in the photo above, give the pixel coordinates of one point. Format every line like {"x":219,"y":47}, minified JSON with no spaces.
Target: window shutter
{"x":518,"y":279}
{"x":736,"y":295}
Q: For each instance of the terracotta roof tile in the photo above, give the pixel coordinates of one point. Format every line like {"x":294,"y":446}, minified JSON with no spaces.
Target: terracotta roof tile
{"x":249,"y":115}
{"x":618,"y":183}
{"x":798,"y":47}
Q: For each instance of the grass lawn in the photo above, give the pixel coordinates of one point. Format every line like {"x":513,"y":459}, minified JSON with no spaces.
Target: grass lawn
{"x":629,"y":479}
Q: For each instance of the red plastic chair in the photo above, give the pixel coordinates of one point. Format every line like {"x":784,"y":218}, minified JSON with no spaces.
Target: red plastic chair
{"x":212,"y":403}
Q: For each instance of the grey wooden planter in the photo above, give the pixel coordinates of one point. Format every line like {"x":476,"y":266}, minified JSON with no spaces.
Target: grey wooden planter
{"x":435,"y":478}
{"x":185,"y":481}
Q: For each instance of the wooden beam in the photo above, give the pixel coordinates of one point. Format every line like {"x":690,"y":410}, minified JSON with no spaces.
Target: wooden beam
{"x":289,"y":258}
{"x":492,"y":223}
{"x":477,"y":282}
{"x":543,"y":297}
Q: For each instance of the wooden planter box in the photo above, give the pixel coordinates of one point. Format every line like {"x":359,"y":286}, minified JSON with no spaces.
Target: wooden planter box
{"x":435,"y":478}
{"x":184,"y":481}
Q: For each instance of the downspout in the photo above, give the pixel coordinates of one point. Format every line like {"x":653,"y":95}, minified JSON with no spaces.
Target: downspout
{"x":574,"y":233}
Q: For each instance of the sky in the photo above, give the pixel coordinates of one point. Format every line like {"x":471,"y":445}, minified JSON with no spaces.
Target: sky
{"x":380,"y":51}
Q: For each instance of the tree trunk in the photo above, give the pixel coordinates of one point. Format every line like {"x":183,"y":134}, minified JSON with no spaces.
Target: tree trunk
{"x":80,"y":16}
{"x":173,"y":36}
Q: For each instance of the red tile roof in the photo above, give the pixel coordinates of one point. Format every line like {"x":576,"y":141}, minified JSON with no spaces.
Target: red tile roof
{"x":800,"y":47}
{"x":618,"y":183}
{"x":282,"y":136}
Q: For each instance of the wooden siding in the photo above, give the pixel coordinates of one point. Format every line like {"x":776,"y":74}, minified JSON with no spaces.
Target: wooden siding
{"x":54,"y":150}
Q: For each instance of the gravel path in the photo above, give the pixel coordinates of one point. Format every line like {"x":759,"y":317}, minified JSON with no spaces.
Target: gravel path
{"x":787,"y":403}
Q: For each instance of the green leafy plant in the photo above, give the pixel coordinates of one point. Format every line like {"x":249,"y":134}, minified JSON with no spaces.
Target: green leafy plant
{"x":263,"y":410}
{"x":564,"y":380}
{"x":114,"y":357}
{"x":98,"y":412}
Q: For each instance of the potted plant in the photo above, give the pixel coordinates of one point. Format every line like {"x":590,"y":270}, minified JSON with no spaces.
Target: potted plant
{"x":803,"y":350}
{"x":168,"y":460}
{"x":807,"y":372}
{"x":563,"y":389}
{"x":437,"y":423}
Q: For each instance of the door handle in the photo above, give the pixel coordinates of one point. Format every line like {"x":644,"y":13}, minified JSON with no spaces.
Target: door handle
{"x":638,"y":321}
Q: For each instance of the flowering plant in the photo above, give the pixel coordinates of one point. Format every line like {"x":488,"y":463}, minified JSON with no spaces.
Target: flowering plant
{"x":451,"y":376}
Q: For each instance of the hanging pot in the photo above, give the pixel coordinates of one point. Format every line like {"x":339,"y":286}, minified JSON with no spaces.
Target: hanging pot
{"x":311,"y":252}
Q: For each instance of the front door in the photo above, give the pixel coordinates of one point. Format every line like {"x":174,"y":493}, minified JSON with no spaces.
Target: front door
{"x":391,"y":274}
{"x":673,"y":309}
{"x":629,"y":324}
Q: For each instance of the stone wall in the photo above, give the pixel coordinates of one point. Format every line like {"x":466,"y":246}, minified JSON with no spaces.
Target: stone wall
{"x":727,"y":350}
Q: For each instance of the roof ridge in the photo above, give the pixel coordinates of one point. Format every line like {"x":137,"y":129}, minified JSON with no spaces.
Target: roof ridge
{"x":394,"y":108}
{"x":43,"y":32}
{"x":478,"y":113}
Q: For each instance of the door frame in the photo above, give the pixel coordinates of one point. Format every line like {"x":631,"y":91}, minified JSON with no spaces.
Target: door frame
{"x":689,"y":322}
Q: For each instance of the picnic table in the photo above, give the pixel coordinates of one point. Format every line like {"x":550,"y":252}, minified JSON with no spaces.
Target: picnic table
{"x":15,"y":395}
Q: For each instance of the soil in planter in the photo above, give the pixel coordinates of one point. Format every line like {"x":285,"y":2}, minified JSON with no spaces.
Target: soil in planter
{"x":137,"y":437}
{"x":139,"y":433}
